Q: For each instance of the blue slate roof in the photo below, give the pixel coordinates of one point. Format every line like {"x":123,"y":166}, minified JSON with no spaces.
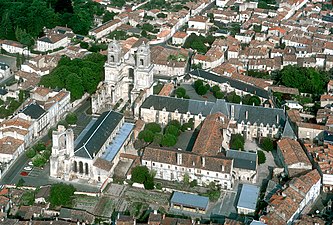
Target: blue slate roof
{"x":243,"y":160}
{"x":34,"y":110}
{"x":328,"y":137}
{"x":256,"y":114}
{"x":288,"y":131}
{"x":112,"y":150}
{"x":96,"y":136}
{"x":190,"y":200}
{"x":233,"y":83}
{"x":248,"y":197}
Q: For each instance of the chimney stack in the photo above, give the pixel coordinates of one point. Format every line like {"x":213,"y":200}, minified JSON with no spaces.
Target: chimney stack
{"x":203,"y":161}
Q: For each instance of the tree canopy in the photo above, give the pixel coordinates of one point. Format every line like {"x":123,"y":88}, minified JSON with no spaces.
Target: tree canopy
{"x":237,"y":142}
{"x":307,"y":80}
{"x":141,"y":174}
{"x":61,"y":194}
{"x":24,"y":20}
{"x":77,"y":75}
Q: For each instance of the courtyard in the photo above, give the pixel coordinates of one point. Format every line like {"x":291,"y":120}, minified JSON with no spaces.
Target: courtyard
{"x":190,"y":91}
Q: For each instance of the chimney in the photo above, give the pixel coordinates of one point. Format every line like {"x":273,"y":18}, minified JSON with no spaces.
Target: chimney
{"x":246,"y":115}
{"x":155,"y":212}
{"x":222,"y":168}
{"x":179,"y":158}
{"x":277,"y":118}
{"x":232,"y":111}
{"x":203,"y":161}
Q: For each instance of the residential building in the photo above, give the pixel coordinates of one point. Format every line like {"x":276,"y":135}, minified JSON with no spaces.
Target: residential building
{"x":4,"y":71}
{"x":52,"y":42}
{"x":179,"y":38}
{"x":286,"y":207}
{"x":13,"y":47}
{"x":292,"y":156}
{"x":105,"y":29}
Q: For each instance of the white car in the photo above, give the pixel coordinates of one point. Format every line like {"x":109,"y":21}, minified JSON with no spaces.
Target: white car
{"x":30,"y":163}
{"x":28,"y":168}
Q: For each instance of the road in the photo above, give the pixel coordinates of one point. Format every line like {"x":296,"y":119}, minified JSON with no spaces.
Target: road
{"x":38,"y":176}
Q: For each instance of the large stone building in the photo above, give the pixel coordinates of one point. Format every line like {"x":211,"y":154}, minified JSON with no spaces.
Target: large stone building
{"x":251,"y":121}
{"x":96,"y":151}
{"x":128,"y":72}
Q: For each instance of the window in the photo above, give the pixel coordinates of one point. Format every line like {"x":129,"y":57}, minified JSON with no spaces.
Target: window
{"x":161,"y":165}
{"x":189,"y":170}
{"x":141,"y":62}
{"x":217,"y":174}
{"x":182,"y":169}
{"x":146,"y":163}
{"x":207,"y":173}
{"x":153,"y":164}
{"x":226,"y":176}
{"x":175,"y":167}
{"x":168,"y":167}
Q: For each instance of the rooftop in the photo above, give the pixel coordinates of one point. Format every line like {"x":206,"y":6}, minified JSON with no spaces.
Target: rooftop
{"x":248,"y":197}
{"x":97,"y":134}
{"x":190,"y":200}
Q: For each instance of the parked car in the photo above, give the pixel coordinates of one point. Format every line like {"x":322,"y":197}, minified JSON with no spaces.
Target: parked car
{"x":28,"y":168}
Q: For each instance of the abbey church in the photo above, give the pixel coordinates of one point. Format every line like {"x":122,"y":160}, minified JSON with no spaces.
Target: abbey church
{"x":128,"y":71}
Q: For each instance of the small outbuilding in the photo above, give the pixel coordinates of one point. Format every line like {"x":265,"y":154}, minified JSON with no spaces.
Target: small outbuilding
{"x":248,"y":199}
{"x":188,"y":202}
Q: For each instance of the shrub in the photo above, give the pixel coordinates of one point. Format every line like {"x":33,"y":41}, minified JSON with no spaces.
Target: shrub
{"x":180,"y":92}
{"x":261,"y":157}
{"x":237,"y":142}
{"x":71,"y":118}
{"x":173,"y":130}
{"x":267,"y":144}
{"x":202,"y":90}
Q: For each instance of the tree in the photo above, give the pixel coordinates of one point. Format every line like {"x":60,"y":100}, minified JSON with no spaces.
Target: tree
{"x":61,"y":194}
{"x":153,"y":127}
{"x":169,"y":140}
{"x":261,"y":157}
{"x":108,"y":16}
{"x":30,"y":153}
{"x":233,"y":98}
{"x":147,"y":27}
{"x":202,"y":90}
{"x":173,"y":130}
{"x":215,"y":88}
{"x":158,"y":138}
{"x":197,"y":84}
{"x":219,"y":95}
{"x":267,"y":144}
{"x":237,"y":142}
{"x":146,"y":135}
{"x":38,"y":160}
{"x":161,"y":15}
{"x":175,"y":123}
{"x":84,"y":45}
{"x":71,"y":118}
{"x":149,"y":183}
{"x":140,"y":174}
{"x":20,"y":182}
{"x":193,"y":183}
{"x":180,"y":92}
{"x":63,"y":6}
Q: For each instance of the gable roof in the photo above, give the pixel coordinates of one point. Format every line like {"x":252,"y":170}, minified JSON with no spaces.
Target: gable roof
{"x":97,"y":135}
{"x":34,"y":110}
{"x":191,"y":200}
{"x":233,"y":83}
{"x":243,"y":160}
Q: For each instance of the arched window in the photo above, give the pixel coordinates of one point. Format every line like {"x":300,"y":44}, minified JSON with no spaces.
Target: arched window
{"x":112,"y":58}
{"x":75,"y":167}
{"x":80,"y":167}
{"x":86,"y":168}
{"x":141,"y":62}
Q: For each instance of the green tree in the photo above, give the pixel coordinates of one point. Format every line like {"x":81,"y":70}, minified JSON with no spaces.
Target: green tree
{"x":61,"y":194}
{"x":149,"y":183}
{"x":153,"y":127}
{"x":175,"y":123}
{"x":173,"y":130}
{"x":180,"y":92}
{"x":267,"y":144}
{"x":197,"y":84}
{"x":161,"y":15}
{"x":30,"y":153}
{"x":215,"y":88}
{"x":202,"y":90}
{"x":84,"y":45}
{"x":261,"y":157}
{"x":108,"y":16}
{"x":219,"y":95}
{"x":233,"y":98}
{"x":140,"y":174}
{"x":28,"y":198}
{"x":237,"y":142}
{"x":158,"y":138}
{"x":146,"y":135}
{"x":148,"y":27}
{"x":71,"y":118}
{"x":38,"y":161}
{"x":20,"y":182}
{"x":169,"y":140}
